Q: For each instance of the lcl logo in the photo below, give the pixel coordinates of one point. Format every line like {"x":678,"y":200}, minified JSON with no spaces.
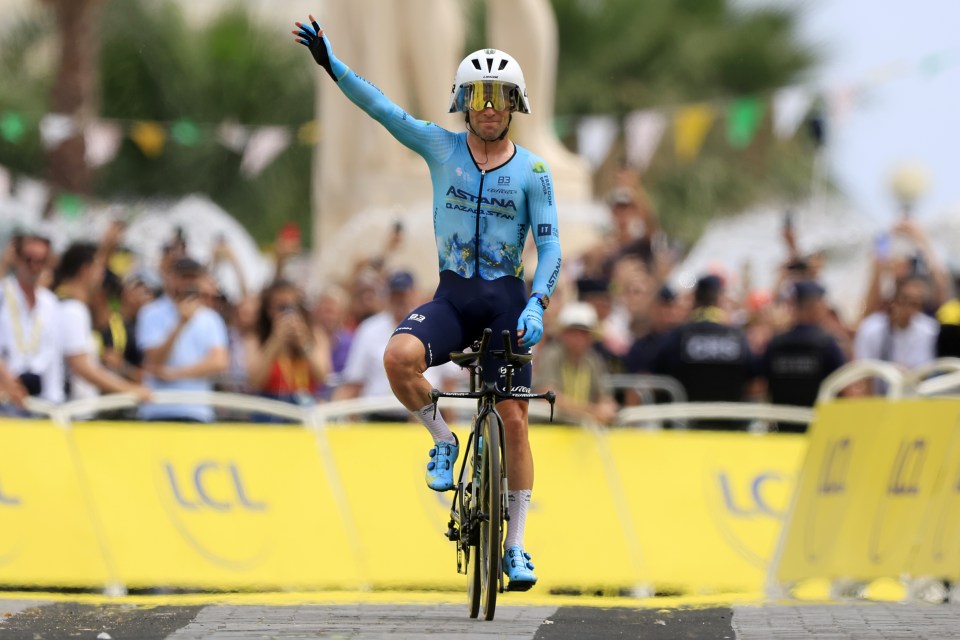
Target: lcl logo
{"x":217,"y":511}
{"x":193,"y":490}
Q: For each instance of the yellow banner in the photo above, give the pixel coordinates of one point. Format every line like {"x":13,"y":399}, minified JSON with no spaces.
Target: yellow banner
{"x":835,"y":471}
{"x":706,"y":507}
{"x":47,"y":537}
{"x":878,"y":495}
{"x":216,"y":506}
{"x":938,"y":551}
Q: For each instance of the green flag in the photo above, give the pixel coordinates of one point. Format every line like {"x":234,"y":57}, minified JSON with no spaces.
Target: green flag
{"x":12,"y":127}
{"x":743,"y":119}
{"x":185,"y":132}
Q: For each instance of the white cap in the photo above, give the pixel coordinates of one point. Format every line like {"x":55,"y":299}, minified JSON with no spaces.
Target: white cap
{"x":578,"y":315}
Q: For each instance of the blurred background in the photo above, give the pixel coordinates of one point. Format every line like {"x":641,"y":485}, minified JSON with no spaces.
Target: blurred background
{"x":719,"y":108}
{"x":751,"y":193}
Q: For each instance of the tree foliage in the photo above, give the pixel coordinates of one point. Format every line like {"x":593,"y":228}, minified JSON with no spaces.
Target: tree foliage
{"x":620,"y":55}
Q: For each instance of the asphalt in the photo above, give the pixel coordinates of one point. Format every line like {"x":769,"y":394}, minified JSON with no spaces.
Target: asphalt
{"x":443,"y":616}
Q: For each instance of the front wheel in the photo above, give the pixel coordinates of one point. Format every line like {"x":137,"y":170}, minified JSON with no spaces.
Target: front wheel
{"x":487,"y":562}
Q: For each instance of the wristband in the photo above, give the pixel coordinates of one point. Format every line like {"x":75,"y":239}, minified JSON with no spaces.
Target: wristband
{"x":542,"y":298}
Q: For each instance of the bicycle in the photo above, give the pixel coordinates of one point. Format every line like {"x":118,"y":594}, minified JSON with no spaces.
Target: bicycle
{"x":479,"y":506}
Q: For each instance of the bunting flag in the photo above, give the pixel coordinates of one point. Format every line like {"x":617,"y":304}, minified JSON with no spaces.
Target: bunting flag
{"x":595,"y":136}
{"x":790,"y":106}
{"x":265,"y":144}
{"x":233,"y":136}
{"x":690,"y":127}
{"x":102,"y":142}
{"x":643,"y":131}
{"x":12,"y":127}
{"x":185,"y":132}
{"x":309,"y":133}
{"x":149,"y":137}
{"x":55,"y":129}
{"x":743,"y":120}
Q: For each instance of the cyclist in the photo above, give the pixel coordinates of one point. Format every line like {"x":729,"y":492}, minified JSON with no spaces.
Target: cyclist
{"x":487,"y":193}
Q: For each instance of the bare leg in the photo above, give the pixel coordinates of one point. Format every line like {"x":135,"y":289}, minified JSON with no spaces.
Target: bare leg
{"x":519,"y":455}
{"x":405,"y":361}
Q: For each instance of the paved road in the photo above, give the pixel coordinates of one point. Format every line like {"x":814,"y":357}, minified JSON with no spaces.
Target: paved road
{"x":142,"y":620}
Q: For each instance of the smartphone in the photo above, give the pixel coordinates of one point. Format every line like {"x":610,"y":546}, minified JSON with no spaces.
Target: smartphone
{"x":788,"y":220}
{"x":882,"y":245}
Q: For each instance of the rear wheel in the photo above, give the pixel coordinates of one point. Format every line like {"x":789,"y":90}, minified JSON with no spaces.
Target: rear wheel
{"x":488,"y":550}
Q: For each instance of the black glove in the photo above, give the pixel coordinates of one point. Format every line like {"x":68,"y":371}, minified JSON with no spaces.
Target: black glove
{"x":311,"y":36}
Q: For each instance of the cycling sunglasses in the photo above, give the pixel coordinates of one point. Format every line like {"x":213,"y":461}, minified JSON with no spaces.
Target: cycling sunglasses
{"x":481,"y":94}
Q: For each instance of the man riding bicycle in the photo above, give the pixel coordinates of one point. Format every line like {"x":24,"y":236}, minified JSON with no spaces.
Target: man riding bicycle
{"x":487,"y":193}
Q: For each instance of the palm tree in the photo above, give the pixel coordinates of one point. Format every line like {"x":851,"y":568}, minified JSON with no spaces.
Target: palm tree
{"x":75,"y":89}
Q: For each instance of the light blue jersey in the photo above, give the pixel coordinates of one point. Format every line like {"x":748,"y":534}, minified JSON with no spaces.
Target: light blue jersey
{"x":480,"y":217}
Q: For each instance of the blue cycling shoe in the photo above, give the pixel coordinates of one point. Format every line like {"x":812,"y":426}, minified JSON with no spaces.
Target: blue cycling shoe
{"x":440,"y":467}
{"x":517,"y":566}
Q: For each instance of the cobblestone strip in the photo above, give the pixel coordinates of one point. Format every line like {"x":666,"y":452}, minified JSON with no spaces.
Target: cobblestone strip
{"x":881,"y":620}
{"x":361,"y":622}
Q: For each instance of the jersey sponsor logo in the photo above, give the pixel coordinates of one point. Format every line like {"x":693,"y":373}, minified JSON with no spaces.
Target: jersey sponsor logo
{"x":502,"y":203}
{"x":540,"y":167}
{"x":416,"y":317}
{"x":501,"y":180}
{"x":504,"y":191}
{"x":544,"y":230}
{"x":713,"y":348}
{"x":552,"y":282}
{"x":547,"y":188}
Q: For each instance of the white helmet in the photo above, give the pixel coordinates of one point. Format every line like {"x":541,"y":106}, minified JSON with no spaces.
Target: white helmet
{"x":489,"y":66}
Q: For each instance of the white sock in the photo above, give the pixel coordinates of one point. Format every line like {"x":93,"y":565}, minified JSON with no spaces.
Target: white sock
{"x":519,"y":501}
{"x":437,"y":426}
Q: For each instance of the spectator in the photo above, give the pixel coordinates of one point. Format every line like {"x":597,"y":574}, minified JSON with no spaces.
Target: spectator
{"x":710,"y":358}
{"x":364,"y":375}
{"x":330,"y":317}
{"x":903,"y":334}
{"x":78,"y":275}
{"x":121,"y":353}
{"x":905,"y":252}
{"x":184,"y":344}
{"x":664,"y":315}
{"x":29,"y":322}
{"x":287,"y":359}
{"x":948,"y":339}
{"x":571,"y":367}
{"x":797,"y":361}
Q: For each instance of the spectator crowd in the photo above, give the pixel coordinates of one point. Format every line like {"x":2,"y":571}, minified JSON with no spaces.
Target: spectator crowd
{"x":80,"y":323}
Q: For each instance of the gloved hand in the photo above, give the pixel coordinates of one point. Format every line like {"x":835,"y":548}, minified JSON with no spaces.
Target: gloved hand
{"x":311,"y":36}
{"x":530,"y":324}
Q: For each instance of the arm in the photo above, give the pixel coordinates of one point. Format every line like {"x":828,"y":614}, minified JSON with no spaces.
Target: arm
{"x":215,"y":362}
{"x":105,"y":380}
{"x":546,"y":234}
{"x":425,"y":138}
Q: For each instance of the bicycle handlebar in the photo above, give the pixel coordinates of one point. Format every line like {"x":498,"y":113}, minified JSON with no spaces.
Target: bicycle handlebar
{"x":471,"y":360}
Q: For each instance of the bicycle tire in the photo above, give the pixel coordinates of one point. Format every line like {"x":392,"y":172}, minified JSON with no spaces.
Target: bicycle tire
{"x":488,"y":550}
{"x":471,"y":505}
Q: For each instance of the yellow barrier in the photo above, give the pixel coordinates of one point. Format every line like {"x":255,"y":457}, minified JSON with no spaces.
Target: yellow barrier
{"x":47,"y":537}
{"x":878,"y":493}
{"x":216,"y":506}
{"x":255,"y":507}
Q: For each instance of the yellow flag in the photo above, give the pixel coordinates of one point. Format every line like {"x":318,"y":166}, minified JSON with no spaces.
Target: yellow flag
{"x":150,"y":137}
{"x":690,"y":127}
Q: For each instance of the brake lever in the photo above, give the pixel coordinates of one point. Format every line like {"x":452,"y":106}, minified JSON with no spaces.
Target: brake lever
{"x":551,"y":398}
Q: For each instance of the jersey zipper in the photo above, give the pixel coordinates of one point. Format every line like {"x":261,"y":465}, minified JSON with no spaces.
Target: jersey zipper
{"x":476,"y":267}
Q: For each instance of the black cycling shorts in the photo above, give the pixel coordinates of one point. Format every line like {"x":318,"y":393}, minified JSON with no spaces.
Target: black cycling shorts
{"x":459,"y":312}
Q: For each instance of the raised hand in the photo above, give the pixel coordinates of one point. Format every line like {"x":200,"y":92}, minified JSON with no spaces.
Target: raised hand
{"x":311,"y":36}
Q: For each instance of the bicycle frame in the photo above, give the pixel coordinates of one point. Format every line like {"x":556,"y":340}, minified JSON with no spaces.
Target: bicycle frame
{"x":466,"y":516}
